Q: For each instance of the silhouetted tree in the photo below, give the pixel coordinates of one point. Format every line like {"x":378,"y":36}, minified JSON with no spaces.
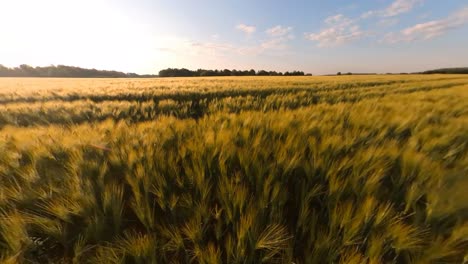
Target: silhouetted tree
{"x":62,"y":71}
{"x":262,"y":73}
{"x":170,"y":72}
{"x":447,"y":71}
{"x":226,"y":72}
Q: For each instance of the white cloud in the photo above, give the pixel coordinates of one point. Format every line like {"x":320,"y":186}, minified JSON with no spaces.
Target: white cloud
{"x":430,"y":29}
{"x":278,"y":39}
{"x":398,"y":7}
{"x":207,"y":49}
{"x":219,"y":49}
{"x":274,"y":44}
{"x":368,"y":14}
{"x":340,"y":18}
{"x":212,"y":48}
{"x":392,"y":38}
{"x":340,"y":30}
{"x":247,"y":29}
{"x":279,"y":31}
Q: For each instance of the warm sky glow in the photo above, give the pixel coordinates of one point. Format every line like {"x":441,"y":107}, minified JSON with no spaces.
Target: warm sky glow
{"x":144,"y":36}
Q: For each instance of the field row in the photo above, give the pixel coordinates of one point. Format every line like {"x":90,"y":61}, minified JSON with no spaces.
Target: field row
{"x":137,"y":108}
{"x":42,"y":90}
{"x":331,"y":186}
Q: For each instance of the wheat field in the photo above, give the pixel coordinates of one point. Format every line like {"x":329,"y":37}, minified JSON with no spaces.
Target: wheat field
{"x":335,"y":169}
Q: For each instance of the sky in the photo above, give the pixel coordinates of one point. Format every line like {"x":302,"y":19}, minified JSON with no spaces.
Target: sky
{"x":318,"y":37}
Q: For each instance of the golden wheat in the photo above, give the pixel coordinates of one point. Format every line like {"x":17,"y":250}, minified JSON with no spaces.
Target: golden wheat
{"x":349,"y":169}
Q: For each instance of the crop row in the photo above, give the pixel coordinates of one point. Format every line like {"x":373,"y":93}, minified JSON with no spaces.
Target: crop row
{"x":194,"y":105}
{"x":372,"y":181}
{"x":42,"y":90}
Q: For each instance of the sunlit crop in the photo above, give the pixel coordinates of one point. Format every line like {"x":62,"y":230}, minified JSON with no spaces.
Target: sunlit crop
{"x":349,"y":169}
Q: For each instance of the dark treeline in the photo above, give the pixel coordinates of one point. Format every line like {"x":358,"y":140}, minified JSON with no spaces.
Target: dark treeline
{"x":448,"y":71}
{"x":173,"y":72}
{"x":63,"y":71}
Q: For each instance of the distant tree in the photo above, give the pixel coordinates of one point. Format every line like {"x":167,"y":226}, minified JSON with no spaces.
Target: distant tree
{"x":27,"y":70}
{"x":69,"y":71}
{"x":298,"y":73}
{"x":170,"y":72}
{"x":4,"y":71}
{"x":262,"y":73}
{"x":226,"y":72}
{"x":448,"y":71}
{"x":61,"y":71}
{"x":339,"y":73}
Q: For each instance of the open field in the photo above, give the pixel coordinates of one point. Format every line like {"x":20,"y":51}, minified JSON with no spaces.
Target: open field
{"x":345,"y":169}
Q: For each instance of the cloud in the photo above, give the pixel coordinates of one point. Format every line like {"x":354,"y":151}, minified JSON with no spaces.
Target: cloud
{"x":246,"y":28}
{"x":340,"y":30}
{"x":216,"y":48}
{"x":279,"y":31}
{"x":212,"y":48}
{"x":279,"y":38}
{"x":430,"y":29}
{"x":274,"y":44}
{"x":220,"y":49}
{"x":340,"y":18}
{"x":369,"y":14}
{"x":398,"y":7}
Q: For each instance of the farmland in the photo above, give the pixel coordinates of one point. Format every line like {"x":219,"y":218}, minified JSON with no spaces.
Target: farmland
{"x":336,"y":169}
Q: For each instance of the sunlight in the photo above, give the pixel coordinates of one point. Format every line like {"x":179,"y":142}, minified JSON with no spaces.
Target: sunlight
{"x":87,"y":33}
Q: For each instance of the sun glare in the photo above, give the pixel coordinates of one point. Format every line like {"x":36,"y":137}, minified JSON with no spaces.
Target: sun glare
{"x":86,"y":33}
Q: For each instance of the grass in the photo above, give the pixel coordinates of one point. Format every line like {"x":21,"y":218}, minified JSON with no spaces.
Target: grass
{"x":360,"y":169}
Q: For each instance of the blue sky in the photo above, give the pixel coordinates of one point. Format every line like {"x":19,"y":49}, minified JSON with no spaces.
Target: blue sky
{"x":319,"y":37}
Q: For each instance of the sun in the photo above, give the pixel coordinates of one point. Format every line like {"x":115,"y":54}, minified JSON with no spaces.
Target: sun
{"x":82,"y":33}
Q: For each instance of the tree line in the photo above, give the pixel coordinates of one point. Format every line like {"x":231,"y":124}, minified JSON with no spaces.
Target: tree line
{"x":448,"y":71}
{"x":25,"y":70}
{"x":63,"y":71}
{"x":174,"y":72}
